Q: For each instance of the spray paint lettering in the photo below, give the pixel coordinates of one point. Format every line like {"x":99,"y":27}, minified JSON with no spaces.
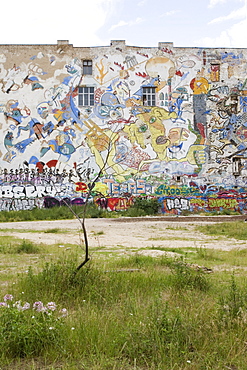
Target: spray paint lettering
{"x":20,"y":204}
{"x":177,"y":203}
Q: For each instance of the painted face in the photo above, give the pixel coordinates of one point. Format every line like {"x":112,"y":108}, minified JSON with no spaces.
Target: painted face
{"x":167,"y":141}
{"x":180,"y":140}
{"x":149,"y":129}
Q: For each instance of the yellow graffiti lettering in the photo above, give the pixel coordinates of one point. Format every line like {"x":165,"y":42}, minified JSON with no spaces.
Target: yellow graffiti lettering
{"x":222,"y":202}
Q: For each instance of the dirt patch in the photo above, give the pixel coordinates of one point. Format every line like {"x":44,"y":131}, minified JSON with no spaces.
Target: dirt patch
{"x":127,"y":235}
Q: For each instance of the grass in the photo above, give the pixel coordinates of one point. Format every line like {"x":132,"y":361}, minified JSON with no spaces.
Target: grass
{"x":141,"y":207}
{"x":131,"y":312}
{"x":171,"y":238}
{"x":236,"y":230}
{"x":157,"y":317}
{"x":55,"y":230}
{"x":177,"y":228}
{"x":96,"y":233}
{"x":11,"y":245}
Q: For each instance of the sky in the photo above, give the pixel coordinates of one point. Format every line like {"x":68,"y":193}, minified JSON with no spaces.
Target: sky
{"x":191,"y":23}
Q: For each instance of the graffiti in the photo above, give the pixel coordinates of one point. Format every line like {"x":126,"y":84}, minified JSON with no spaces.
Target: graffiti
{"x":50,"y":202}
{"x":20,"y":204}
{"x":222,"y":203}
{"x":177,"y":203}
{"x":174,"y":190}
{"x":131,"y":187}
{"x":197,"y":204}
{"x":150,"y":121}
{"x":32,"y":191}
{"x":114,"y":204}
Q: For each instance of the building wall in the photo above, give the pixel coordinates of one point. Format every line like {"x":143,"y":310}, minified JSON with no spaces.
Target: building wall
{"x":188,"y":148}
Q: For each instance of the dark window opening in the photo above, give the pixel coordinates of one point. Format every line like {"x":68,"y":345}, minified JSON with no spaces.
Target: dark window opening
{"x":87,"y":67}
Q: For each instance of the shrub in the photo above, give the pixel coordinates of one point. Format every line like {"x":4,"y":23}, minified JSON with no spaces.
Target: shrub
{"x":27,"y":247}
{"x":143,"y":206}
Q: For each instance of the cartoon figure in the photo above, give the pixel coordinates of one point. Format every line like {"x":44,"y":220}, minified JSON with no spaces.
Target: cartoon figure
{"x":8,"y":143}
{"x":170,"y":142}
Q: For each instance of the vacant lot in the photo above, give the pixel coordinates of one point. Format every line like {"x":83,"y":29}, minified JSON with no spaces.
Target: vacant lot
{"x":126,"y":310}
{"x":127,"y":234}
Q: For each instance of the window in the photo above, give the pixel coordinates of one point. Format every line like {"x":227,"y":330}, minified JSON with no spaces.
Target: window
{"x":87,"y":67}
{"x":85,"y":96}
{"x":236,"y":166}
{"x":148,"y":96}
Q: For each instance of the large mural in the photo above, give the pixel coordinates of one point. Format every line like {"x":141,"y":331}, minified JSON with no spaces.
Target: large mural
{"x":166,"y":122}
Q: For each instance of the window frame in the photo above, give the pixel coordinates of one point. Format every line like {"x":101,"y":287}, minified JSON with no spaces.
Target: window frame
{"x":149,"y":96}
{"x":86,"y":96}
{"x":87,"y":67}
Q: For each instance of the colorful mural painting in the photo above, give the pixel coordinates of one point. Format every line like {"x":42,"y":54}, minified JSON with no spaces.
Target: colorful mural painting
{"x":158,"y":121}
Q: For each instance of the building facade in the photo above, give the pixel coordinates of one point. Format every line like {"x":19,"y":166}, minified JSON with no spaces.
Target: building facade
{"x":165,"y":122}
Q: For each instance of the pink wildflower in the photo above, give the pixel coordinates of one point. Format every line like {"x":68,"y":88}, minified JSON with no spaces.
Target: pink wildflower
{"x":64,"y":312}
{"x":38,"y":306}
{"x":8,"y":297}
{"x":51,"y":306}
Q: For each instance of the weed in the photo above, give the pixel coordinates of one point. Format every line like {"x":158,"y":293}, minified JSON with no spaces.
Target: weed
{"x":237,"y":230}
{"x":177,"y":228}
{"x":96,"y":233}
{"x":186,"y":277}
{"x":55,"y":230}
{"x":232,"y":306}
{"x":207,"y":254}
{"x":170,"y":238}
{"x":28,"y":247}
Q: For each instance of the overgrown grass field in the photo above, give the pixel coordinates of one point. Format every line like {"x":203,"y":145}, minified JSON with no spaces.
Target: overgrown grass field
{"x":132,"y":312}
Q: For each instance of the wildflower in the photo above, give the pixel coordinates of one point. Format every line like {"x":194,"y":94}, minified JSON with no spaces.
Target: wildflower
{"x":38,"y":306}
{"x":44,"y":309}
{"x":51,"y":306}
{"x":51,"y":328}
{"x":64,"y":312}
{"x":8,"y":297}
{"x":72,"y":328}
{"x":3,"y":304}
{"x":188,"y":361}
{"x":26,"y":306}
{"x":18,"y":305}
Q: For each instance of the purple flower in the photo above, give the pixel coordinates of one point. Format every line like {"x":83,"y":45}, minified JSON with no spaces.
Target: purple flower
{"x":64,"y":312}
{"x":8,"y":297}
{"x":3,"y":304}
{"x":38,"y":306}
{"x":26,"y":306}
{"x":51,"y":306}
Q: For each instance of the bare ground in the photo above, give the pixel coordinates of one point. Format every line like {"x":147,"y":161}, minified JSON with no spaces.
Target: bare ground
{"x":126,"y":235}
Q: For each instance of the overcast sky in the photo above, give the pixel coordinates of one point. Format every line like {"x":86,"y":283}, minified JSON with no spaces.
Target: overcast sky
{"x":209,"y":23}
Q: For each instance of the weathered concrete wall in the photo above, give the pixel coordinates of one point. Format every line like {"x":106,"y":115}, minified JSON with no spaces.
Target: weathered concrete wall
{"x":188,"y":147}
